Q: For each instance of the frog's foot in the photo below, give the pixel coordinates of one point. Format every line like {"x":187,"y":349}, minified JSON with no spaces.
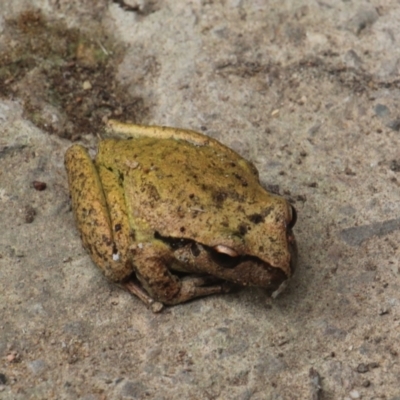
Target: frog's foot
{"x":190,"y":288}
{"x":136,"y":290}
{"x":200,"y":286}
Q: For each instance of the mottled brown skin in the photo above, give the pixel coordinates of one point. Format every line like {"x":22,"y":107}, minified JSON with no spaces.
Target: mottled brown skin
{"x":170,"y":200}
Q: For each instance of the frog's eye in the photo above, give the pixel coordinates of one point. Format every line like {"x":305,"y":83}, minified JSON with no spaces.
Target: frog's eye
{"x":225,"y":256}
{"x":293,"y":220}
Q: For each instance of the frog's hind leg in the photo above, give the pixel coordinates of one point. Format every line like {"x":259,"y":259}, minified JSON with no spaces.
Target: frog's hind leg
{"x":92,"y":213}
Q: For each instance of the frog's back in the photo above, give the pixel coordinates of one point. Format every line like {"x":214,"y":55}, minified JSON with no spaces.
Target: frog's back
{"x":181,"y":190}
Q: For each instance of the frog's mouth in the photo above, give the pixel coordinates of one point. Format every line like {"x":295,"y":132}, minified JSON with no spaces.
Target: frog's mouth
{"x":225,"y":263}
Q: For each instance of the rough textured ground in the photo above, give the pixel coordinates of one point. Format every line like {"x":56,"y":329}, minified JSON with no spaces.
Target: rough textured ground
{"x":307,"y":90}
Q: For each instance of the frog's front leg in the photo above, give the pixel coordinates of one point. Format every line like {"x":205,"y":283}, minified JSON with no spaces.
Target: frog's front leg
{"x":152,"y":270}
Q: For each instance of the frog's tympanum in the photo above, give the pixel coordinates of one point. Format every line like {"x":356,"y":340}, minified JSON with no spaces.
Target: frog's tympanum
{"x":172,"y":215}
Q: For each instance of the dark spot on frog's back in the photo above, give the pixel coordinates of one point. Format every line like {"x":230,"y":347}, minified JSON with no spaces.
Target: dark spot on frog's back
{"x":243,"y":181}
{"x":120,"y":179}
{"x":256,"y":218}
{"x":219,"y":197}
{"x":106,"y":240}
{"x":243,"y":229}
{"x":84,"y":213}
{"x":152,"y":192}
{"x":117,"y":227}
{"x":225,"y":224}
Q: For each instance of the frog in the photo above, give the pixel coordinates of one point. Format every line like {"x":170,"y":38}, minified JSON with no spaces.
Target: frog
{"x":171,"y":215}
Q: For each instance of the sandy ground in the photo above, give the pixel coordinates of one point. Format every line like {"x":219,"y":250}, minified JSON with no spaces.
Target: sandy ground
{"x":309,"y":92}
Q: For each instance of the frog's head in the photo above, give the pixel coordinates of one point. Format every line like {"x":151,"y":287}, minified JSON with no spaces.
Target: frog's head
{"x":264,"y":253}
{"x":269,"y":256}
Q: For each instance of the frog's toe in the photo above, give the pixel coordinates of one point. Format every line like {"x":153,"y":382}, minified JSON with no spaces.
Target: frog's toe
{"x":136,"y":290}
{"x":201,"y":286}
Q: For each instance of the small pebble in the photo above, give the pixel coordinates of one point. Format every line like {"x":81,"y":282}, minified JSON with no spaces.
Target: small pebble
{"x":362,"y":368}
{"x":274,"y":113}
{"x":86,"y":85}
{"x":395,"y":165}
{"x":3,"y":379}
{"x":383,"y":311}
{"x":39,"y":186}
{"x":381,"y":110}
{"x":394,"y":125}
{"x":354,"y":394}
{"x":30,"y":213}
{"x":37,"y":366}
{"x":12,"y":357}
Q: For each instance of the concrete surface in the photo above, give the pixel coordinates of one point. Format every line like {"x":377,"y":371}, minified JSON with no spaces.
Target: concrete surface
{"x":307,"y":90}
